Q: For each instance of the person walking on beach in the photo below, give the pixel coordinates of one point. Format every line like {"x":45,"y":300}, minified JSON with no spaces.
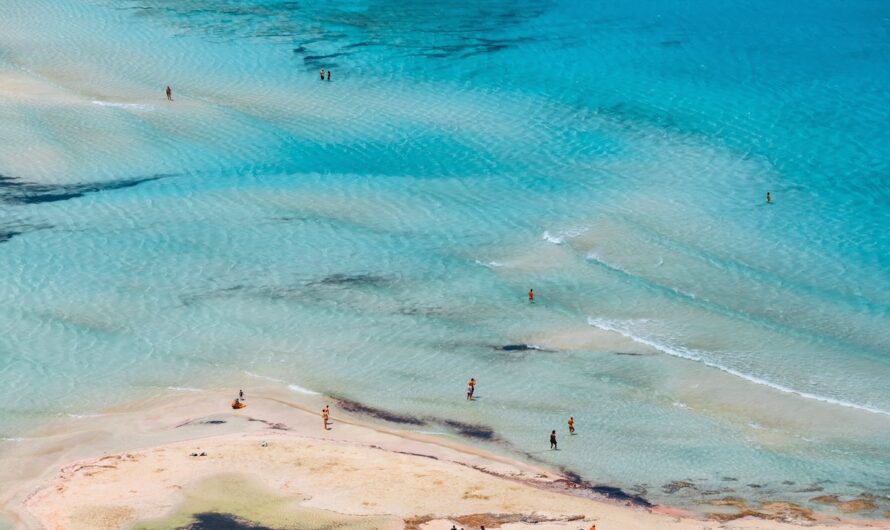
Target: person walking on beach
{"x":553,"y":440}
{"x":531,"y":295}
{"x":329,"y":75}
{"x":571,"y":425}
{"x":169,"y":92}
{"x":324,"y":416}
{"x":321,"y":74}
{"x":241,"y":394}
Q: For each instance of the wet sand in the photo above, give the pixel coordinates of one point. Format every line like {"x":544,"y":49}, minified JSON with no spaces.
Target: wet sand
{"x":271,"y":465}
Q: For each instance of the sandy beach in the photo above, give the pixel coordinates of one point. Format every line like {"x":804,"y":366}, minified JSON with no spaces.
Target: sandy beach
{"x":273,"y":465}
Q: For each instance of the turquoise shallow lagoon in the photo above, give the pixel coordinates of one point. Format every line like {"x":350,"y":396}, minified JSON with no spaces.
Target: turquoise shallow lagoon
{"x":374,"y":237}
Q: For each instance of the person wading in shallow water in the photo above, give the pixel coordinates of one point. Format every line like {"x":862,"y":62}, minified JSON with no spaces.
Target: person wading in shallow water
{"x":531,"y":295}
{"x":321,"y":73}
{"x":553,"y":440}
{"x":571,"y":425}
{"x":169,"y":92}
{"x":769,"y":198}
{"x":329,"y":75}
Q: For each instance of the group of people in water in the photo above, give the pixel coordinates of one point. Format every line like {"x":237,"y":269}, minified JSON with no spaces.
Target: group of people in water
{"x":471,"y":389}
{"x":322,"y":73}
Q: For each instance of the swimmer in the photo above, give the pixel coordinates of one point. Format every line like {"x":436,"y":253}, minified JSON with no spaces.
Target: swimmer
{"x":169,"y":92}
{"x":531,"y":295}
{"x":553,"y":440}
{"x":321,"y":74}
{"x":571,"y":425}
{"x":329,"y":75}
{"x":769,"y":198}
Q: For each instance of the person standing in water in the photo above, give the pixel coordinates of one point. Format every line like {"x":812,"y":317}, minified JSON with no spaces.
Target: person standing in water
{"x":531,"y":295}
{"x":553,"y":440}
{"x":471,"y":388}
{"x":169,"y":92}
{"x":329,"y":75}
{"x":321,"y":74}
{"x":241,"y":394}
{"x":571,"y":425}
{"x":769,"y":198}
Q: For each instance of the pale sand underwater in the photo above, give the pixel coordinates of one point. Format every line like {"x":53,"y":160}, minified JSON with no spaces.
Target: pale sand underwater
{"x":272,"y":464}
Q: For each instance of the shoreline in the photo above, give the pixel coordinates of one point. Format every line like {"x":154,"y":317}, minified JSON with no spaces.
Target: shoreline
{"x":132,"y":465}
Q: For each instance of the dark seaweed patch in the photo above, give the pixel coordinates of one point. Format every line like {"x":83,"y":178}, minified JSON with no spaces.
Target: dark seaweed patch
{"x":360,"y":44}
{"x":7,"y":235}
{"x":359,"y":408}
{"x":471,"y":430}
{"x":610,"y":492}
{"x":213,"y":422}
{"x":221,"y":521}
{"x":353,"y":280}
{"x":515,"y":347}
{"x":271,"y":424}
{"x":21,"y":192}
{"x":620,"y":495}
{"x":316,"y":60}
{"x":417,"y":454}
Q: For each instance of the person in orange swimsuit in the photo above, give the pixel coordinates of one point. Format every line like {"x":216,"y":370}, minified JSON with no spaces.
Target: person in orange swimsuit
{"x":531,"y":295}
{"x":571,"y":425}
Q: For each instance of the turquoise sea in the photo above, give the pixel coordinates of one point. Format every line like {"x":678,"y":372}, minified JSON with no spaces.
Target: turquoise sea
{"x":374,"y":237}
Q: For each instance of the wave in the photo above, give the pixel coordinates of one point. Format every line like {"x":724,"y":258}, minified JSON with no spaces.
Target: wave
{"x":560,"y":238}
{"x":267,"y":378}
{"x":692,"y":355}
{"x":127,"y":106}
{"x":556,"y":240}
{"x":293,"y":387}
{"x":183,"y":389}
{"x":490,"y":264}
{"x":300,"y":390}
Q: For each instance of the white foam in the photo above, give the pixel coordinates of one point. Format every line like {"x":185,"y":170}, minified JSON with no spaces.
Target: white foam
{"x":127,"y":106}
{"x":692,"y":355}
{"x":183,"y":389}
{"x":490,"y":264}
{"x":556,"y":240}
{"x":267,"y":378}
{"x":300,"y":390}
{"x":560,"y":238}
{"x":81,"y":416}
{"x":593,"y":256}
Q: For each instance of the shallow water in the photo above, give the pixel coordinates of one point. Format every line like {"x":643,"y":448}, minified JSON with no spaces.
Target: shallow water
{"x":374,"y":237}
